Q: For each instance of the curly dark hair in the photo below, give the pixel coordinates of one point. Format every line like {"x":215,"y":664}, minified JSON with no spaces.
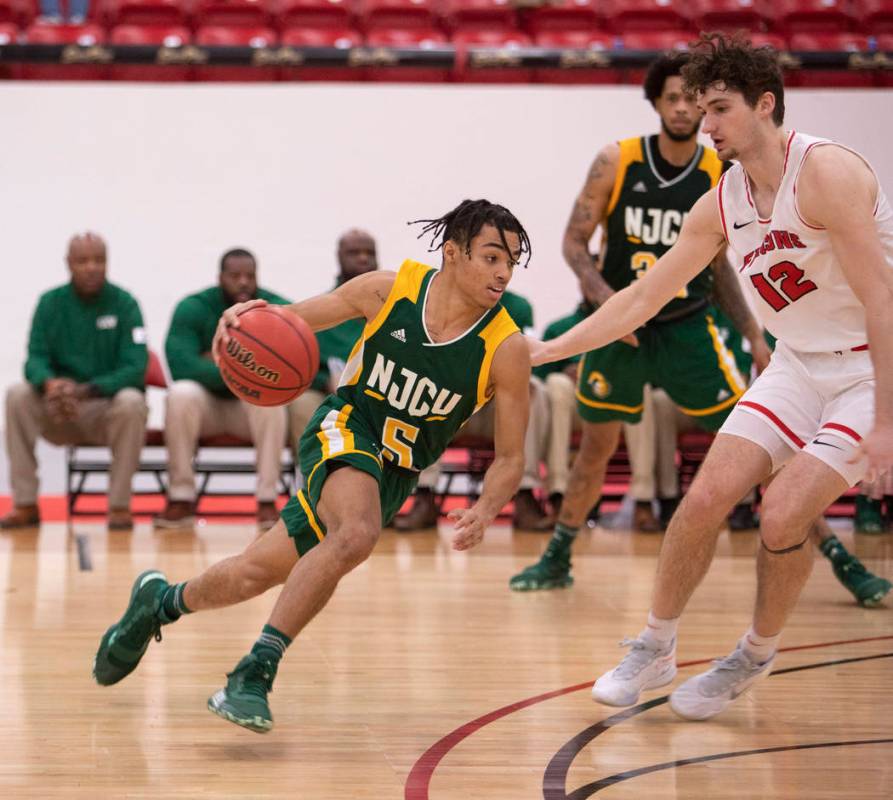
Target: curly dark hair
{"x":465,"y":221}
{"x":663,"y":67}
{"x":733,"y":62}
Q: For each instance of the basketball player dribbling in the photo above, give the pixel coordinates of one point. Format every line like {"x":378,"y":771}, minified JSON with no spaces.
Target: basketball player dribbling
{"x":437,"y":346}
{"x":810,"y":233}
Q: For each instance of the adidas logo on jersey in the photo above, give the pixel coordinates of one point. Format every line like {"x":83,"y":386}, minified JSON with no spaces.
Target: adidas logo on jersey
{"x":722,"y":394}
{"x":399,"y":334}
{"x":640,"y":187}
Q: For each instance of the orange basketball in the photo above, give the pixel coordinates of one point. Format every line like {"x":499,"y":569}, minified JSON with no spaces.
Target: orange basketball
{"x":271,"y":358}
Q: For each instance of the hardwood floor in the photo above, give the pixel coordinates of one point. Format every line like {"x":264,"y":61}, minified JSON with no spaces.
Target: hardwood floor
{"x":422,"y":643}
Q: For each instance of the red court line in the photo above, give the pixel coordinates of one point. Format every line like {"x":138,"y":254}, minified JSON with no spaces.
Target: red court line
{"x":419,"y":778}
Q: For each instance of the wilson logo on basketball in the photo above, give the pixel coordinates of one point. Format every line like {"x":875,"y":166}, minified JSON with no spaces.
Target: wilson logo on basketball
{"x":245,"y":359}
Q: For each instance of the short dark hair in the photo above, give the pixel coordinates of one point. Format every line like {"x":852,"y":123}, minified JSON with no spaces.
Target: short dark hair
{"x":663,"y":67}
{"x":465,"y":221}
{"x":739,"y":66}
{"x":236,"y":252}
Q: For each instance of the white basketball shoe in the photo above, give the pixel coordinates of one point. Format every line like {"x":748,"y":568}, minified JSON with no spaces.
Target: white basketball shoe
{"x":705,"y":695}
{"x":646,"y":666}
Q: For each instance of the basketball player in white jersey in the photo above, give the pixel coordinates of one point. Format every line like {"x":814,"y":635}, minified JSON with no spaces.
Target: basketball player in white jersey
{"x":810,"y":232}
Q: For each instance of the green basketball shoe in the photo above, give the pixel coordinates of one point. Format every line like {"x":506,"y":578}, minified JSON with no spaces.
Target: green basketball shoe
{"x":244,"y":698}
{"x":124,"y":643}
{"x":869,"y":516}
{"x":552,"y":571}
{"x":867,"y":588}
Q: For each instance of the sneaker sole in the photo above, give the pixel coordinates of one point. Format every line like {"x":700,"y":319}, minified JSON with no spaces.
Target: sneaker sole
{"x":656,"y":683}
{"x":139,"y":583}
{"x":874,"y":599}
{"x":256,"y":724}
{"x":531,"y":586}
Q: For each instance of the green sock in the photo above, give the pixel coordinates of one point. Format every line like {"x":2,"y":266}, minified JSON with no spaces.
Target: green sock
{"x":172,"y":603}
{"x":271,"y":644}
{"x":834,"y":551}
{"x":562,"y":540}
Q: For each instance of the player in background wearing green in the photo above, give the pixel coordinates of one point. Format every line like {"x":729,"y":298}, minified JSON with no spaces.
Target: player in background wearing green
{"x":437,"y":345}
{"x":640,"y":190}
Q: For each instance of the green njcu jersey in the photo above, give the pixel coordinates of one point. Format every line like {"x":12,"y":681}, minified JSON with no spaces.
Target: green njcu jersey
{"x":645,"y":214}
{"x":412,"y":392}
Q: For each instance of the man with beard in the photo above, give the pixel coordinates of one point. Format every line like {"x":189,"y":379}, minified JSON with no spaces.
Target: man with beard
{"x":640,"y":190}
{"x":199,"y":403}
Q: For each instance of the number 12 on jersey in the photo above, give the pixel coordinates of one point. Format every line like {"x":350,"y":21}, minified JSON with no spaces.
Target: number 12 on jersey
{"x":791,"y":286}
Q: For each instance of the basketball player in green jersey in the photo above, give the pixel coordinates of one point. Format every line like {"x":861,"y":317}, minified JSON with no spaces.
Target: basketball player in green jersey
{"x":640,"y":191}
{"x":437,"y":345}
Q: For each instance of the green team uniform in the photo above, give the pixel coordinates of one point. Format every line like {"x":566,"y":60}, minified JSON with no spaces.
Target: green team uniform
{"x":683,"y":349}
{"x":401,"y":400}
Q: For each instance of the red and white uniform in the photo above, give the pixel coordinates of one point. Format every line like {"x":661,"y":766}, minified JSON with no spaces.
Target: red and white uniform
{"x":818,"y":392}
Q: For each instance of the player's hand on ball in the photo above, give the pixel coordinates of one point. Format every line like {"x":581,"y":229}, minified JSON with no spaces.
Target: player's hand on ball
{"x":877,"y":447}
{"x":470,"y":527}
{"x":230,"y":319}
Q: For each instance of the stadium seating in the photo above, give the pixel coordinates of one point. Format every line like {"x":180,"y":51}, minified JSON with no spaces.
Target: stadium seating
{"x":218,"y":35}
{"x":388,"y":15}
{"x":731,"y":15}
{"x":578,"y":40}
{"x":480,"y":15}
{"x":321,"y":37}
{"x":84,"y":35}
{"x":646,"y":15}
{"x":848,"y":42}
{"x":466,"y":40}
{"x":167,"y":35}
{"x":17,"y":12}
{"x":875,"y":16}
{"x":582,"y":16}
{"x":814,"y":16}
{"x":253,"y":14}
{"x":150,"y":13}
{"x":404,"y":37}
{"x":326,"y":15}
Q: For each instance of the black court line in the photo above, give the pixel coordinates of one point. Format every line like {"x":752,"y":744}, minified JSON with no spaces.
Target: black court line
{"x":555,"y":777}
{"x":85,"y":560}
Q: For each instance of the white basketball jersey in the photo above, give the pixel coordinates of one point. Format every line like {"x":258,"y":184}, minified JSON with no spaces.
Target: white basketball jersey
{"x":800,"y":292}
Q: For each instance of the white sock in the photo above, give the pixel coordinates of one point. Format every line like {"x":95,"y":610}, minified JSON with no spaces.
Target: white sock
{"x":660,"y":631}
{"x":759,"y":648}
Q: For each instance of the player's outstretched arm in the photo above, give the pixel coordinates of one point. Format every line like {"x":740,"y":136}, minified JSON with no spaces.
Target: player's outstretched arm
{"x":838,"y":191}
{"x":699,"y":240}
{"x":510,"y":379}
{"x":362,"y":296}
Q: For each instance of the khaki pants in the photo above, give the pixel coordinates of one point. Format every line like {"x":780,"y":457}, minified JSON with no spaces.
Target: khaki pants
{"x":561,"y":390}
{"x":192,"y":412}
{"x":117,"y":422}
{"x":535,"y":439}
{"x":299,"y":413}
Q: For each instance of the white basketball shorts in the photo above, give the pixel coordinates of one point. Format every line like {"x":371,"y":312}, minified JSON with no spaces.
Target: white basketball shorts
{"x":818,"y":403}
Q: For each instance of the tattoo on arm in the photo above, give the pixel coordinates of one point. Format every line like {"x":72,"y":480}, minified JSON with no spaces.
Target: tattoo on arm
{"x":380,"y":296}
{"x":597,"y":170}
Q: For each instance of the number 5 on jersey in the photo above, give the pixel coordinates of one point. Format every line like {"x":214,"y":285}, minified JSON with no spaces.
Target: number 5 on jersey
{"x":398,"y":438}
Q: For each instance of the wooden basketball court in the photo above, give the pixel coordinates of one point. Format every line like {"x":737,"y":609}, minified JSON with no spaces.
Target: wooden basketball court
{"x":426,"y":678}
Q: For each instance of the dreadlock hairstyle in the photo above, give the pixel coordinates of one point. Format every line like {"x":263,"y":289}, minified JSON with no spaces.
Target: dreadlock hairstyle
{"x":465,"y":221}
{"x":739,"y":66}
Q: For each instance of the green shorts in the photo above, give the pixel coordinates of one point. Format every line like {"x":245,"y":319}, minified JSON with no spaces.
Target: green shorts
{"x":698,"y":361}
{"x":333,"y":439}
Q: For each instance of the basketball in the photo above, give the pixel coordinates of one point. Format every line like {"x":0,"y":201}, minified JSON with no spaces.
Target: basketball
{"x":271,"y":358}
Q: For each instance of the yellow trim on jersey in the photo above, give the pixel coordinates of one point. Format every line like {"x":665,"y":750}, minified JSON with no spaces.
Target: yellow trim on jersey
{"x":406,"y":286}
{"x":726,"y":360}
{"x":703,"y":412}
{"x":311,"y":517}
{"x":376,"y":395}
{"x":340,"y":429}
{"x":630,"y":151}
{"x":339,"y":455}
{"x":497,"y":331}
{"x":353,"y":367}
{"x":609,"y":406}
{"x":435,"y":418}
{"x":711,"y":164}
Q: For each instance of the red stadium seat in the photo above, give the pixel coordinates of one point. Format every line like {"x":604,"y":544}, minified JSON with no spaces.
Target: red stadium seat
{"x":875,"y":16}
{"x":145,"y":12}
{"x":814,"y":16}
{"x":480,"y":15}
{"x":846,"y":42}
{"x":18,"y":12}
{"x":576,"y":40}
{"x":505,"y":40}
{"x":773,"y":40}
{"x":324,"y":14}
{"x":9,"y":31}
{"x":217,"y":35}
{"x":645,"y":15}
{"x":732,"y":15}
{"x":402,"y":37}
{"x":564,"y":15}
{"x":167,"y":35}
{"x":232,"y":14}
{"x":321,"y":37}
{"x":85,"y":35}
{"x":657,"y":40}
{"x":416,"y":15}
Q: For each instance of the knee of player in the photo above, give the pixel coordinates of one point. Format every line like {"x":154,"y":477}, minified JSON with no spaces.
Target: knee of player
{"x":255,"y":578}
{"x":779,"y":529}
{"x":354,"y":542}
{"x":183,"y":393}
